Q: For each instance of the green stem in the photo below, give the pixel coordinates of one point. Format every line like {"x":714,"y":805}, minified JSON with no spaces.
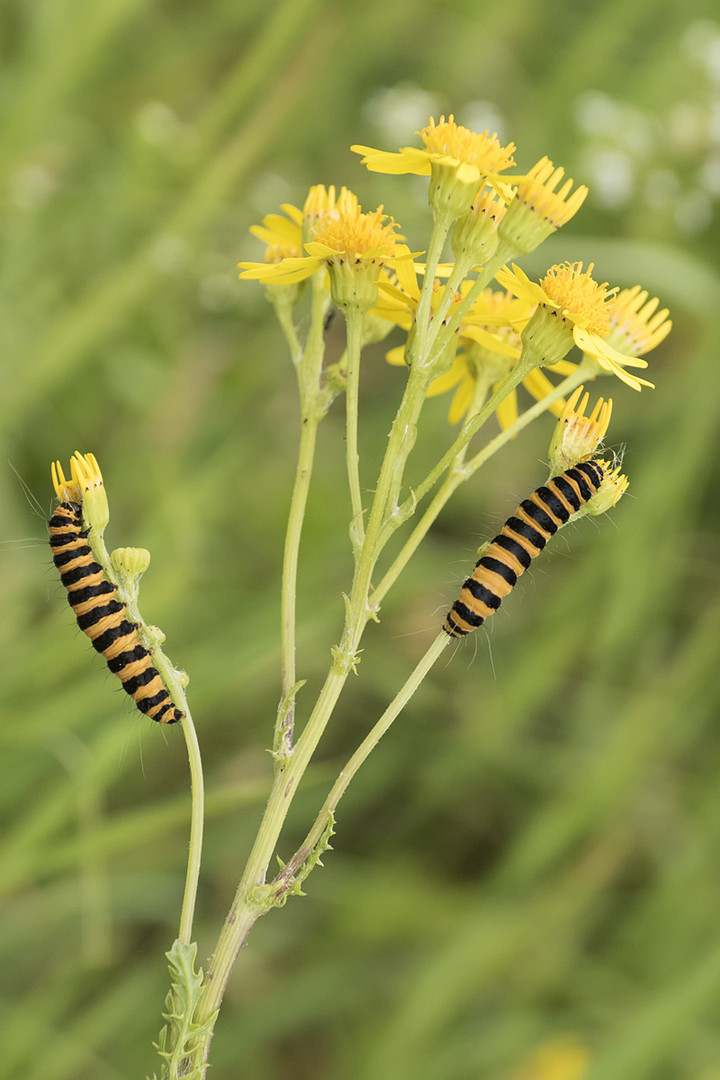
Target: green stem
{"x":468,"y":430}
{"x":459,"y":472}
{"x":175,"y":683}
{"x":438,"y":236}
{"x":303,"y":472}
{"x":197,"y":814}
{"x":308,"y":365}
{"x":364,"y":750}
{"x":354,"y":321}
{"x":244,"y":910}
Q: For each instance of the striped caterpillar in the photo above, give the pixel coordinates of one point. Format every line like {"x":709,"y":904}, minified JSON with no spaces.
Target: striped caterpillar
{"x":522,"y":537}
{"x":104,"y":618}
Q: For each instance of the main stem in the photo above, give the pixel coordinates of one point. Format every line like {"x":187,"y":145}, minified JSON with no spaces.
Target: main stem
{"x":247,"y":907}
{"x":244,"y":911}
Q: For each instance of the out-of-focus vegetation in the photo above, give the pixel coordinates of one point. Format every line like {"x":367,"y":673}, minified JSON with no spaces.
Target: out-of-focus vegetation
{"x":532,"y":854}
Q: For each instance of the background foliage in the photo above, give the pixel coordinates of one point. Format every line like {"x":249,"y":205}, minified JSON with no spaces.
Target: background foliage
{"x":533,"y":852}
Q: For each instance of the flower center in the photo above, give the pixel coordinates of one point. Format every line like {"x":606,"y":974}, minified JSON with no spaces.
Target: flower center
{"x":346,"y":229}
{"x":578,"y":296}
{"x":453,"y":140}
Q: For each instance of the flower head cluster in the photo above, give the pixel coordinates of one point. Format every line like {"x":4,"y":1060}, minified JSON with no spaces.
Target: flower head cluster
{"x":496,"y":216}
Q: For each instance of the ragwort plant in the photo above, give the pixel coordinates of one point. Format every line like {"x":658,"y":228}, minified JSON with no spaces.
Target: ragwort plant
{"x":461,"y":334}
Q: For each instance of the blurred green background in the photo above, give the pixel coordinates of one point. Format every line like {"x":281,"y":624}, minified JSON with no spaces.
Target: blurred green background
{"x":533,"y":852}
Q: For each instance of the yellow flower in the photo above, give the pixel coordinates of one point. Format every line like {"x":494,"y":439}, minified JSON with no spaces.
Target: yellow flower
{"x":84,"y":487}
{"x":581,"y":307}
{"x":459,"y":162}
{"x":612,"y":489}
{"x":343,"y":239}
{"x":282,"y":235}
{"x":635,"y":322}
{"x":537,"y":209}
{"x":474,"y":157}
{"x":285,"y":236}
{"x":576,"y":435}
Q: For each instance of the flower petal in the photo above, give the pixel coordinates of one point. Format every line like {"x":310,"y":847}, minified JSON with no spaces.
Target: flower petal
{"x":450,"y":379}
{"x":409,"y":160}
{"x":283,"y":273}
{"x":462,"y":400}
{"x":507,"y":410}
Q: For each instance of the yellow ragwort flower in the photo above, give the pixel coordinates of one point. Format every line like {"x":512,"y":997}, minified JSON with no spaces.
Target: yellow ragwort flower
{"x":582,"y":305}
{"x":612,"y":489}
{"x":459,"y":162}
{"x":283,"y":236}
{"x":635,"y":322}
{"x":342,"y":239}
{"x":474,"y":157}
{"x":576,"y":435}
{"x":537,"y":209}
{"x":85,"y":487}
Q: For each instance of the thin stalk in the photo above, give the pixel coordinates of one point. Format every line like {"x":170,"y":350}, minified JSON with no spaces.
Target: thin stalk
{"x":364,"y":750}
{"x":288,"y":592}
{"x":175,"y":683}
{"x":197,"y":817}
{"x":244,"y":910}
{"x":458,"y":274}
{"x":308,"y":365}
{"x":400,"y":443}
{"x":468,"y":430}
{"x":354,"y":322}
{"x":438,"y":236}
{"x":284,"y":312}
{"x":460,"y":471}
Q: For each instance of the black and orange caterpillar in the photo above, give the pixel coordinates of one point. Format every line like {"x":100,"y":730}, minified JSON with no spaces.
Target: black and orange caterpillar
{"x":104,"y":618}
{"x":522,"y":537}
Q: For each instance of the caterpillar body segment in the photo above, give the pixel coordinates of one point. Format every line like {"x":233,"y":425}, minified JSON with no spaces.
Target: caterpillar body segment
{"x":104,"y":618}
{"x":522,"y":537}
